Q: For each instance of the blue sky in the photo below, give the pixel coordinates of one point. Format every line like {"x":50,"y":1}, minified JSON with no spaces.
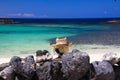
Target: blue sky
{"x":59,"y":8}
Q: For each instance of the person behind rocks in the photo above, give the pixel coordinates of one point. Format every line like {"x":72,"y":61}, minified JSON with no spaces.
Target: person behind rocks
{"x":61,"y":46}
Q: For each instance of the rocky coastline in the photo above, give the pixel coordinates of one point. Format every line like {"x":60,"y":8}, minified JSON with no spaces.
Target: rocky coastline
{"x":6,"y":21}
{"x":74,"y":65}
{"x":112,"y":22}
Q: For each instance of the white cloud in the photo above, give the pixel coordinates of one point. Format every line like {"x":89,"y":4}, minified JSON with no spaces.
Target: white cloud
{"x":2,"y":16}
{"x":17,"y":14}
{"x":28,"y":15}
{"x":21,"y":15}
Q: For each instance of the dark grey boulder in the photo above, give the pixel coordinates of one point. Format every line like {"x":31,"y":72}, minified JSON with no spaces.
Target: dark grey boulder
{"x":92,"y":72}
{"x":56,"y":71}
{"x":24,"y":68}
{"x":39,"y":53}
{"x":103,"y":70}
{"x":15,"y":63}
{"x":7,"y":73}
{"x":42,"y":56}
{"x":3,"y":66}
{"x":75,"y":65}
{"x":1,"y":78}
{"x":49,"y":70}
{"x":29,"y":65}
{"x":117,"y":70}
{"x":44,"y":71}
{"x":27,"y":69}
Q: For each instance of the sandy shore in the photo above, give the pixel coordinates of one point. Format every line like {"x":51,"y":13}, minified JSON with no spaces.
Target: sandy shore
{"x":93,"y":57}
{"x":5,"y":59}
{"x":95,"y":54}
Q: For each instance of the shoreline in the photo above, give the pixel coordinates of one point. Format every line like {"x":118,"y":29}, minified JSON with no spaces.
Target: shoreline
{"x":93,"y":57}
{"x":95,"y":52}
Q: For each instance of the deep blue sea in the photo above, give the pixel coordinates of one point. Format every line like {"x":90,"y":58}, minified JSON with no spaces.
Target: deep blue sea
{"x":26,"y":36}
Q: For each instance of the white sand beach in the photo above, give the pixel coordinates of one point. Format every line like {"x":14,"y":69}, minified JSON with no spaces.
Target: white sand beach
{"x":95,"y":54}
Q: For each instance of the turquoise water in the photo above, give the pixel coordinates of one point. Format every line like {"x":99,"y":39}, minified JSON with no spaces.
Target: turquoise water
{"x":20,"y":39}
{"x":24,"y":39}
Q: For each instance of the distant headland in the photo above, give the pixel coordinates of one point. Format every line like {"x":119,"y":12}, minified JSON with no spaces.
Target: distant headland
{"x":112,"y":22}
{"x":6,"y":21}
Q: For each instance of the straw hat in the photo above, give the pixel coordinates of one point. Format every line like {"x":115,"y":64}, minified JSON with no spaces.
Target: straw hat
{"x":61,"y":41}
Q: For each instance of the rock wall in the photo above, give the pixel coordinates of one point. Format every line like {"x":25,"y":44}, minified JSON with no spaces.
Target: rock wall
{"x":74,"y":65}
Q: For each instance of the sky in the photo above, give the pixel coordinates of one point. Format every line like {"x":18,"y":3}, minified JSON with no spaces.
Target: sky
{"x":59,"y":8}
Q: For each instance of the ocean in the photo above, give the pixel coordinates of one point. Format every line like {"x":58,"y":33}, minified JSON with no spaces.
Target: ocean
{"x":26,"y":36}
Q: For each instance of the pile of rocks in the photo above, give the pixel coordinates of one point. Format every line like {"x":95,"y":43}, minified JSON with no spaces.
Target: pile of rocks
{"x":74,"y":65}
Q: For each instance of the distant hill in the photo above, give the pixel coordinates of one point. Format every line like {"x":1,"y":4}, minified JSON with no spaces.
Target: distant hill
{"x":112,"y":22}
{"x":6,"y":21}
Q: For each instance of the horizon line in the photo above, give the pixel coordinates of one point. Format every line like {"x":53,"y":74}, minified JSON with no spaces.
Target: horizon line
{"x":64,"y":18}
